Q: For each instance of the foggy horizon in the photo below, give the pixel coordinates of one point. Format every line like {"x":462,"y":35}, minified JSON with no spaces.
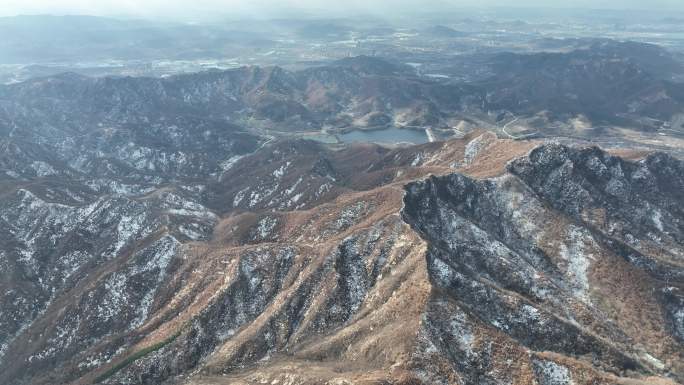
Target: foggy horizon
{"x":215,"y":9}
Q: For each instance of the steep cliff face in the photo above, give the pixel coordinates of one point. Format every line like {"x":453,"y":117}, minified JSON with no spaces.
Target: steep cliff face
{"x":572,"y":252}
{"x":470,"y":261}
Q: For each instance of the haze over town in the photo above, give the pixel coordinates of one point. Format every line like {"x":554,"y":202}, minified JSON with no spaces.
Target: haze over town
{"x":211,"y":9}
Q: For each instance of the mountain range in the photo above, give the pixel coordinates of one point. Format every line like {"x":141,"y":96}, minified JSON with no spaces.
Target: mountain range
{"x":182,"y":230}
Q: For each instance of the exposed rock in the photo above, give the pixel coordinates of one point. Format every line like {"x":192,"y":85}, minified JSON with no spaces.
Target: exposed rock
{"x":561,"y":266}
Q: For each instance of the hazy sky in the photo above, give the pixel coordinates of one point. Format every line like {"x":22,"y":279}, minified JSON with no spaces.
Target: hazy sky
{"x":199,"y":8}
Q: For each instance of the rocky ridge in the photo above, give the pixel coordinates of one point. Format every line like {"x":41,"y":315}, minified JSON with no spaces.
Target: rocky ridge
{"x":477,"y":260}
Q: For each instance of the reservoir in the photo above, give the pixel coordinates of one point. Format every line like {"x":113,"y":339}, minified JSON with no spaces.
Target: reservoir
{"x":392,"y":135}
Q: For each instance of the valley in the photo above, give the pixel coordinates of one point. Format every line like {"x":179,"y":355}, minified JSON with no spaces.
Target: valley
{"x":447,"y":200}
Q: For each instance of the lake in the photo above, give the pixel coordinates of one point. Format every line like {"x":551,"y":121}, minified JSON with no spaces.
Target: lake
{"x":392,"y":135}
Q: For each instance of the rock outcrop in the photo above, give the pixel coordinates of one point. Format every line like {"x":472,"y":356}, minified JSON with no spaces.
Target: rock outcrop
{"x":520,"y":262}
